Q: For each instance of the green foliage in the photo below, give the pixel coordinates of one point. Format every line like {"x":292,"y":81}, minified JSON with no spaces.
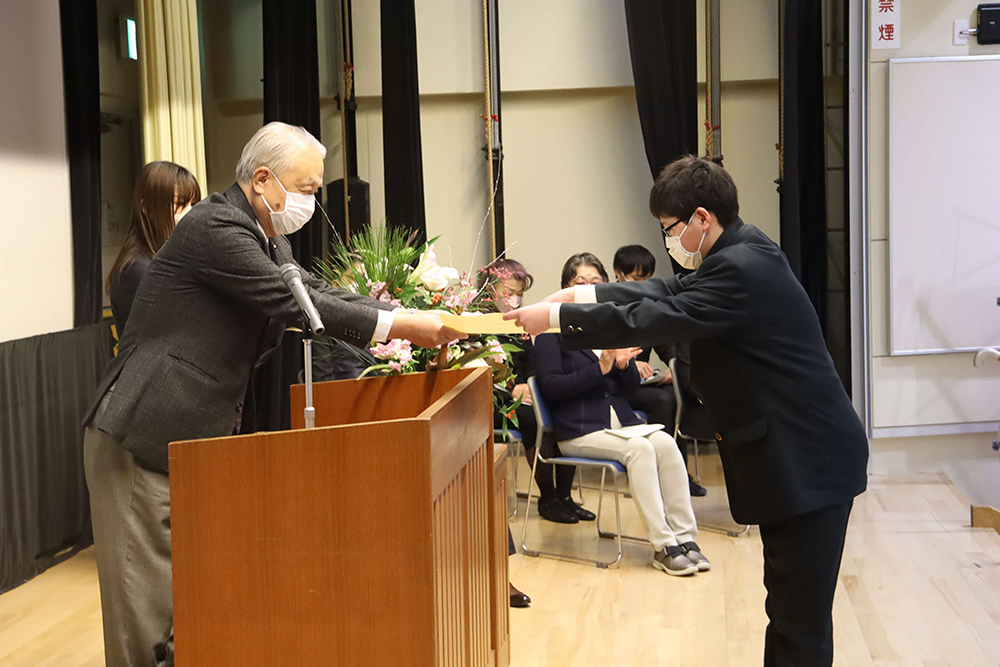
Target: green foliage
{"x":382,"y":262}
{"x":381,"y":255}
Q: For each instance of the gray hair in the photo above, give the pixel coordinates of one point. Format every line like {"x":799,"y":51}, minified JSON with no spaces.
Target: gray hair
{"x":275,"y":146}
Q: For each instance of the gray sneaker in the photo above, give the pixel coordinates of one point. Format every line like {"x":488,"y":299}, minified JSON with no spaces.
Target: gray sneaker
{"x":693,"y":553}
{"x":672,"y":560}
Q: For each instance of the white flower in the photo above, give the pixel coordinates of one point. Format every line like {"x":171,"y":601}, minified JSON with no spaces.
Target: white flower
{"x":438,"y":278}
{"x":427,"y":260}
{"x":431,"y":275}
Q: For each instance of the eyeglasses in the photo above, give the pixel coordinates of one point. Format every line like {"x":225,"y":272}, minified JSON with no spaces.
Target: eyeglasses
{"x":666,"y":230}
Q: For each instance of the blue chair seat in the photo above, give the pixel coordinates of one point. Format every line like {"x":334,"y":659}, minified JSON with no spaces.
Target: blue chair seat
{"x":641,"y":415}
{"x":574,"y":460}
{"x":511,"y":434}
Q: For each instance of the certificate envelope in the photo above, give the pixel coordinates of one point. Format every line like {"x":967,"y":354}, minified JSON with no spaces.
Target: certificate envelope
{"x":481,"y":323}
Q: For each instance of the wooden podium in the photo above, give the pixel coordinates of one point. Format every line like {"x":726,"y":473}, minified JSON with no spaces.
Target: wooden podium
{"x":378,"y":538}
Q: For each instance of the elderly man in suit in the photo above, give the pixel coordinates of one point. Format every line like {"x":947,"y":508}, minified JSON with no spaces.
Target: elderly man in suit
{"x":793,"y":450}
{"x":210,"y":309}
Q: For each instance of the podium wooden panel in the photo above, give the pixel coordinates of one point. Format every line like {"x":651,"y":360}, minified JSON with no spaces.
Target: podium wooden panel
{"x":372,"y":539}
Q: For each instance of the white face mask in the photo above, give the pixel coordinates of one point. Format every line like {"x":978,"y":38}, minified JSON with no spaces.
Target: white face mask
{"x":298,"y":211}
{"x":684,"y":257}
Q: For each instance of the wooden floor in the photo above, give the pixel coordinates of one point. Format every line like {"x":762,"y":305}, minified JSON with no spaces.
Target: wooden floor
{"x":918,"y":587}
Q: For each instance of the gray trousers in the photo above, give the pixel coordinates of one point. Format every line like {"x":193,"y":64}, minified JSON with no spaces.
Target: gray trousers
{"x":130,"y":509}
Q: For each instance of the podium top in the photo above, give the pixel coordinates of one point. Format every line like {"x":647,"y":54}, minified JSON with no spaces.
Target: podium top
{"x":372,"y":399}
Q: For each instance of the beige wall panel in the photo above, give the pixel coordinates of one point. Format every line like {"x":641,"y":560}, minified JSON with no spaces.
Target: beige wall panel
{"x":878,"y":151}
{"x":879,"y":272}
{"x":576,"y":180}
{"x":556,"y":44}
{"x":749,"y":40}
{"x":450,"y":46}
{"x":749,"y":135}
{"x":367,"y":49}
{"x":456,"y":197}
{"x":967,"y":459}
{"x":35,"y":227}
{"x":932,"y":389}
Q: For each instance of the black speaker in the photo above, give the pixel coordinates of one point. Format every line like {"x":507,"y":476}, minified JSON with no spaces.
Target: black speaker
{"x":359,"y":206}
{"x":988,"y":23}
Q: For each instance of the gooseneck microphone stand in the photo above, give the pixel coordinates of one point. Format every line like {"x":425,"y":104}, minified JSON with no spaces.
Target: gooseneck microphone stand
{"x":307,"y":349}
{"x":311,"y":322}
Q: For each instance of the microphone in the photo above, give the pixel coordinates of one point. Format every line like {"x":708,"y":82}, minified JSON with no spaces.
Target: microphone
{"x":291,"y":277}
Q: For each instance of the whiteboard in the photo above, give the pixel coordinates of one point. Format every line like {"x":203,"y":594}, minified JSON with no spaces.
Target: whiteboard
{"x":944,"y":204}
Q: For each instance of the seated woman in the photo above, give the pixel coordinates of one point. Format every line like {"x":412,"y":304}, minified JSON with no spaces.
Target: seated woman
{"x":586,"y":391}
{"x":508,"y":280}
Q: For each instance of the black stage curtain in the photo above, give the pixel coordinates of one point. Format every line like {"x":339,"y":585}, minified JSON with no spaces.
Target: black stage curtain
{"x":81,"y":80}
{"x":291,"y":92}
{"x":803,"y":187}
{"x":662,"y":40}
{"x":404,"y":172}
{"x":46,"y":385}
{"x":291,"y":95}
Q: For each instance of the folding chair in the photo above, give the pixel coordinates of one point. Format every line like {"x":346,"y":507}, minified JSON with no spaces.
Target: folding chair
{"x":679,"y":436}
{"x":546,"y":451}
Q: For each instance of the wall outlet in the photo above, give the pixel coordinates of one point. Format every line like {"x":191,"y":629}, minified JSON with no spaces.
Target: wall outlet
{"x":957,"y":38}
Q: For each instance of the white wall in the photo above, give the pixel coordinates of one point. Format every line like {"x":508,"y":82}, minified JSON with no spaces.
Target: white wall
{"x":35,"y":228}
{"x":575,"y":170}
{"x":930,"y":391}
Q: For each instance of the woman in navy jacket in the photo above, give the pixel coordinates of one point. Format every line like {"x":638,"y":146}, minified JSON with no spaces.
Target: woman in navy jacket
{"x":586,"y":392}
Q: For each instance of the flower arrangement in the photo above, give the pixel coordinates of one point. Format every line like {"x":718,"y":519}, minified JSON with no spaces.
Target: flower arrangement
{"x":385,"y":264}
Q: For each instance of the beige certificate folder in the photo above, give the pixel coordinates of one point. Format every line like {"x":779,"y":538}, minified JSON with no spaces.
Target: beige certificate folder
{"x":481,"y":323}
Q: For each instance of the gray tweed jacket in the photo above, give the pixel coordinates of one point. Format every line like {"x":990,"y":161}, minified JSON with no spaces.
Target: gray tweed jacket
{"x":210,"y":309}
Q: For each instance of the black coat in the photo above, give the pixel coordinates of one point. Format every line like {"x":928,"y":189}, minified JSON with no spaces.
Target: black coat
{"x":578,"y":395}
{"x":210,"y":308}
{"x":788,"y":435}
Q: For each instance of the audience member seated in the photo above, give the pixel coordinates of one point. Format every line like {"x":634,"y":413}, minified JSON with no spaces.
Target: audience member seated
{"x":164,"y":192}
{"x":509,"y":280}
{"x":655,"y":396}
{"x":586,"y":392}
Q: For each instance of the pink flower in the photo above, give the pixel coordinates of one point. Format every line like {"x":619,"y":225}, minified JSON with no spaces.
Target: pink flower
{"x":497,"y":354}
{"x":397,"y":353}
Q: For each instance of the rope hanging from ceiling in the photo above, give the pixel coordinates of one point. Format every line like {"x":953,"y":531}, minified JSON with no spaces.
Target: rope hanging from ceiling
{"x":346,"y":93}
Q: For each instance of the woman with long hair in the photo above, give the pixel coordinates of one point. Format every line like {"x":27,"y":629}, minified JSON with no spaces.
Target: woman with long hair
{"x":586,"y":392}
{"x":164,"y":192}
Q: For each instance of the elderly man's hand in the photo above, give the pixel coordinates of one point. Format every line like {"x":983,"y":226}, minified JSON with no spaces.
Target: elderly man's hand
{"x":567,"y":295}
{"x":424,"y":329}
{"x":533,"y":319}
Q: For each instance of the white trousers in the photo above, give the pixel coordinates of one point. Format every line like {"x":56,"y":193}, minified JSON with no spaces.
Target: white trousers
{"x":657,"y":475}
